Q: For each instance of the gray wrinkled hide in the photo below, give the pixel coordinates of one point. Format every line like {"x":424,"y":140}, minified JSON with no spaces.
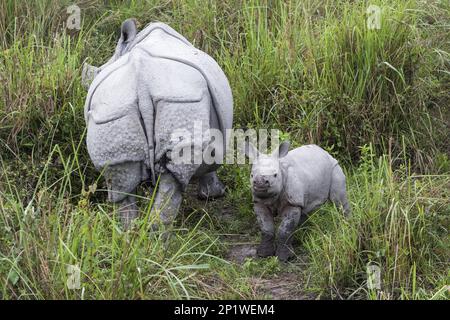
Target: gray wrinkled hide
{"x":292,"y":185}
{"x":308,"y":177}
{"x":155,"y":83}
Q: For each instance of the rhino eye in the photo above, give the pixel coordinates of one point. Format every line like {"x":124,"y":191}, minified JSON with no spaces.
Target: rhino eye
{"x":275,"y":175}
{"x":251,"y":175}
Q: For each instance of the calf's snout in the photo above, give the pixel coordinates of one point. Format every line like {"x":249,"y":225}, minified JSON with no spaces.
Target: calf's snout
{"x":261,"y":181}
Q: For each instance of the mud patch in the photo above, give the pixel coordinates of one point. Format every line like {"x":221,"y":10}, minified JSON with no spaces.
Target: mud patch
{"x":284,"y":286}
{"x":239,"y":252}
{"x":287,"y":284}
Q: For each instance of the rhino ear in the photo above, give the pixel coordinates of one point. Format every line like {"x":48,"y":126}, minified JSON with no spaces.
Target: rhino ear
{"x":282,"y":150}
{"x":128,"y":32}
{"x":250,"y":150}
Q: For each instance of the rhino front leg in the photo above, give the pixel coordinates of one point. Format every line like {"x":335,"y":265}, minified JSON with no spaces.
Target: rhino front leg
{"x":209,"y":186}
{"x":264,"y":217}
{"x":128,"y":211}
{"x":168,"y":198}
{"x":290,"y":219}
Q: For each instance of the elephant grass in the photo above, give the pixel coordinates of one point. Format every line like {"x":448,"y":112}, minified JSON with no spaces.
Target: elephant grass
{"x":399,"y":222}
{"x":53,"y":228}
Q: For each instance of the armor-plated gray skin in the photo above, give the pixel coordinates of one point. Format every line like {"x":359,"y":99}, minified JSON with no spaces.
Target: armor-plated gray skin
{"x":155,"y":83}
{"x":292,"y":184}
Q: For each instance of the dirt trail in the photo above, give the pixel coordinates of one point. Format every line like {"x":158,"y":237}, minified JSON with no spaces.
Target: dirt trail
{"x":286,"y":284}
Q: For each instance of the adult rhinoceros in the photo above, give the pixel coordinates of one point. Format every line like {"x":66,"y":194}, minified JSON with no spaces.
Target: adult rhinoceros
{"x":155,"y":83}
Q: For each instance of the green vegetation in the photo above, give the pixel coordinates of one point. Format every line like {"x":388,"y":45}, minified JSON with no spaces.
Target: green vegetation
{"x":378,"y":100}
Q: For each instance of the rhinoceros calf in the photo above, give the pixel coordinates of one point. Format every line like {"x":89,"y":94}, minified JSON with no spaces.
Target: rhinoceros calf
{"x":155,"y":84}
{"x":293,"y":184}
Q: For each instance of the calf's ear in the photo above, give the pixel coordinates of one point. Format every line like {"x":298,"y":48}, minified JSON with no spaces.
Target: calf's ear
{"x":250,"y":150}
{"x":282,"y":150}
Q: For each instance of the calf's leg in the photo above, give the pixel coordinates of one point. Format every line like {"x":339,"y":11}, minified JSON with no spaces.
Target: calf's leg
{"x":264,"y":217}
{"x":290,"y":219}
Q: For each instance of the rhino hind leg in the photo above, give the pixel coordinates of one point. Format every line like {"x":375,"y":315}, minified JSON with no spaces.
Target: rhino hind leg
{"x":168,"y":198}
{"x":338,"y":190}
{"x":210,"y":186}
{"x":122,"y":181}
{"x":128,"y":211}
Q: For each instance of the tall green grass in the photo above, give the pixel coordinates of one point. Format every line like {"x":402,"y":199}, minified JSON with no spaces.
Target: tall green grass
{"x":399,"y":223}
{"x":54,"y":228}
{"x":311,"y":68}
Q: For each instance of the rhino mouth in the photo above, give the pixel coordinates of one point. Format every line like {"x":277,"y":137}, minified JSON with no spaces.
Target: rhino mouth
{"x":263,"y":192}
{"x":260,"y":189}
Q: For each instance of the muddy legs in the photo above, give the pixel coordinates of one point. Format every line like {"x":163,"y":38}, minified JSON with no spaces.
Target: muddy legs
{"x":282,"y":245}
{"x":289,"y":222}
{"x":168,"y":199}
{"x":265,"y":220}
{"x":166,"y":204}
{"x":128,"y":211}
